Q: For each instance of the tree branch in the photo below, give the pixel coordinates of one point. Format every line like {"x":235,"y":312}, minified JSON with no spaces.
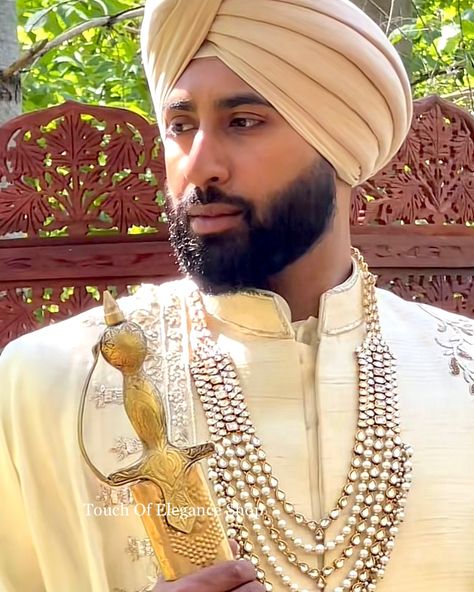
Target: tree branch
{"x":449,"y":70}
{"x":40,"y":49}
{"x":390,"y":17}
{"x":379,"y":8}
{"x":459,"y":94}
{"x":22,"y":61}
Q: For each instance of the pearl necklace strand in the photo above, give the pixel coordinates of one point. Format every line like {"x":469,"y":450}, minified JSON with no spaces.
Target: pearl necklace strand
{"x":372,"y":502}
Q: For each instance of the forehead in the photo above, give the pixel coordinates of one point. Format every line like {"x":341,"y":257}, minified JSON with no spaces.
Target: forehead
{"x":207,"y":79}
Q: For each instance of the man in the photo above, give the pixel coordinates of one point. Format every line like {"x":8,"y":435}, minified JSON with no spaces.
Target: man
{"x":269,"y":111}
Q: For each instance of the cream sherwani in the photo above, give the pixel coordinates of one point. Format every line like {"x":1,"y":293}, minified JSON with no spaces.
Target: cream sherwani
{"x":57,"y":528}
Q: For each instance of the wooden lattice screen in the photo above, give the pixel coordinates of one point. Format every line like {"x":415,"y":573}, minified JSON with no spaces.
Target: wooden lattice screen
{"x":78,"y":182}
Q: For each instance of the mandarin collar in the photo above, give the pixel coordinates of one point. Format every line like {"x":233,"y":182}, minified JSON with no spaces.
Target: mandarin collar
{"x":264,"y":313}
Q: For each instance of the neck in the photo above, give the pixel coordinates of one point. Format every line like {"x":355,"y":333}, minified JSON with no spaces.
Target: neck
{"x":324,"y":267}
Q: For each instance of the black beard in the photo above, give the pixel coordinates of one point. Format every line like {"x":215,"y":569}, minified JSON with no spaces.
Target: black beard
{"x":296,"y":218}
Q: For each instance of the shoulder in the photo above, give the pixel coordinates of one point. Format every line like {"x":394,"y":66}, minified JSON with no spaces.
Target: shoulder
{"x":421,"y":317}
{"x":443,"y":339}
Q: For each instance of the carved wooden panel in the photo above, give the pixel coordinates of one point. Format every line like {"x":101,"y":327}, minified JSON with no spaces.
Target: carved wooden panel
{"x":414,"y":220}
{"x":431,"y":179}
{"x":25,"y":309}
{"x":75,"y":169}
{"x":117,"y":258}
{"x":77,"y":181}
{"x":448,"y":289}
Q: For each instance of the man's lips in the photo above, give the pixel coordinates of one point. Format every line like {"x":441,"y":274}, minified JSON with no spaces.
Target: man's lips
{"x":214,"y":218}
{"x":212,"y":210}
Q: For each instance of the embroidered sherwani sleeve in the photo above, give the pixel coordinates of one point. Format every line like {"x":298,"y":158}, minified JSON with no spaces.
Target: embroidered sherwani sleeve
{"x":19,"y":568}
{"x":51,"y":537}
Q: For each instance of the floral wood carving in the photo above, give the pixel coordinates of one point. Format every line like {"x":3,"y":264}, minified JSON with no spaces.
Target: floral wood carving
{"x":452,"y":292}
{"x":431,"y":178}
{"x":76,"y":169}
{"x":27,"y":309}
{"x":424,"y":194}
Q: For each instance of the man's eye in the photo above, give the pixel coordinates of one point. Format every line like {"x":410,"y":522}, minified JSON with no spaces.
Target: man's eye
{"x":176,"y":128}
{"x":245,"y":122}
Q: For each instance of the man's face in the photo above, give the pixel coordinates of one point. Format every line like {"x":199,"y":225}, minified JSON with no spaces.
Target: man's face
{"x":246,"y":195}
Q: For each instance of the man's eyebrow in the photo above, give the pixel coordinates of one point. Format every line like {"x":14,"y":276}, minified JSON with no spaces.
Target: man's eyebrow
{"x":240,"y":99}
{"x":231,"y":102}
{"x":179,"y":105}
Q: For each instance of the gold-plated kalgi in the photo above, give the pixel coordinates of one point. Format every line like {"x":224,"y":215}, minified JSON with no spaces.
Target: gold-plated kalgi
{"x":181,"y":518}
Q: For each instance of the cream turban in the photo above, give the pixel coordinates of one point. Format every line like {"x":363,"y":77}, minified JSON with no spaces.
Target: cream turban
{"x":323,"y":64}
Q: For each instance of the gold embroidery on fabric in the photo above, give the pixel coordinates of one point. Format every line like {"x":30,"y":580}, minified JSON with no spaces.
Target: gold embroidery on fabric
{"x":162,"y":321}
{"x":345,"y":328}
{"x":177,"y":383}
{"x":146,"y":588}
{"x":149,"y":319}
{"x":457,"y":340}
{"x":139,"y":548}
{"x":114,"y":496}
{"x":126,"y":446}
{"x":104,"y":395}
{"x":94,"y":319}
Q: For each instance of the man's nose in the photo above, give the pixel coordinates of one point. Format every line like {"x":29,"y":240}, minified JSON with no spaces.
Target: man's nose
{"x":206,"y":163}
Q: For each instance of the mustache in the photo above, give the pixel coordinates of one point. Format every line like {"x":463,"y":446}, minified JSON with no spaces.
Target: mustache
{"x":213,"y":195}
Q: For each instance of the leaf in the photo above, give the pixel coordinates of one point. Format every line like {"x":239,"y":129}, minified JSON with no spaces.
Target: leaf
{"x":36,"y":20}
{"x":395,"y":36}
{"x":468,"y":30}
{"x":449,"y":40}
{"x":102,"y":6}
{"x":410,"y":31}
{"x":22,"y":209}
{"x":468,"y":15}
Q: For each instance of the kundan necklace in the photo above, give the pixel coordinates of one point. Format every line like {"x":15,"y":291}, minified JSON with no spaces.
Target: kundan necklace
{"x":367,"y":515}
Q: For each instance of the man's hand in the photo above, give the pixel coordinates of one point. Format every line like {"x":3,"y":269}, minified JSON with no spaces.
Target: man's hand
{"x":235,"y":576}
{"x":229,"y":576}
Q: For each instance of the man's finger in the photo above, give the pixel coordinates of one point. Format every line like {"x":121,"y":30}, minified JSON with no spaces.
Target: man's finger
{"x":251,"y":587}
{"x":234,"y":545}
{"x":222,"y":577}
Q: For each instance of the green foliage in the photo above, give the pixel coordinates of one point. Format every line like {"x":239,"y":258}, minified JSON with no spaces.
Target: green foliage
{"x":103,"y":66}
{"x":441,"y":33}
{"x":100,"y":66}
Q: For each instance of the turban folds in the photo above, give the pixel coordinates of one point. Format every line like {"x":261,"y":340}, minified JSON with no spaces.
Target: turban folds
{"x":324,"y":65}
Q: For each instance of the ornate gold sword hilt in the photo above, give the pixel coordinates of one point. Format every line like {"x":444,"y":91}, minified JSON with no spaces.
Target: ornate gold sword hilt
{"x":177,"y":509}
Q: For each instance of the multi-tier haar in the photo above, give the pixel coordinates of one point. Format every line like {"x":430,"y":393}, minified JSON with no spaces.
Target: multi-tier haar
{"x":259,"y":516}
